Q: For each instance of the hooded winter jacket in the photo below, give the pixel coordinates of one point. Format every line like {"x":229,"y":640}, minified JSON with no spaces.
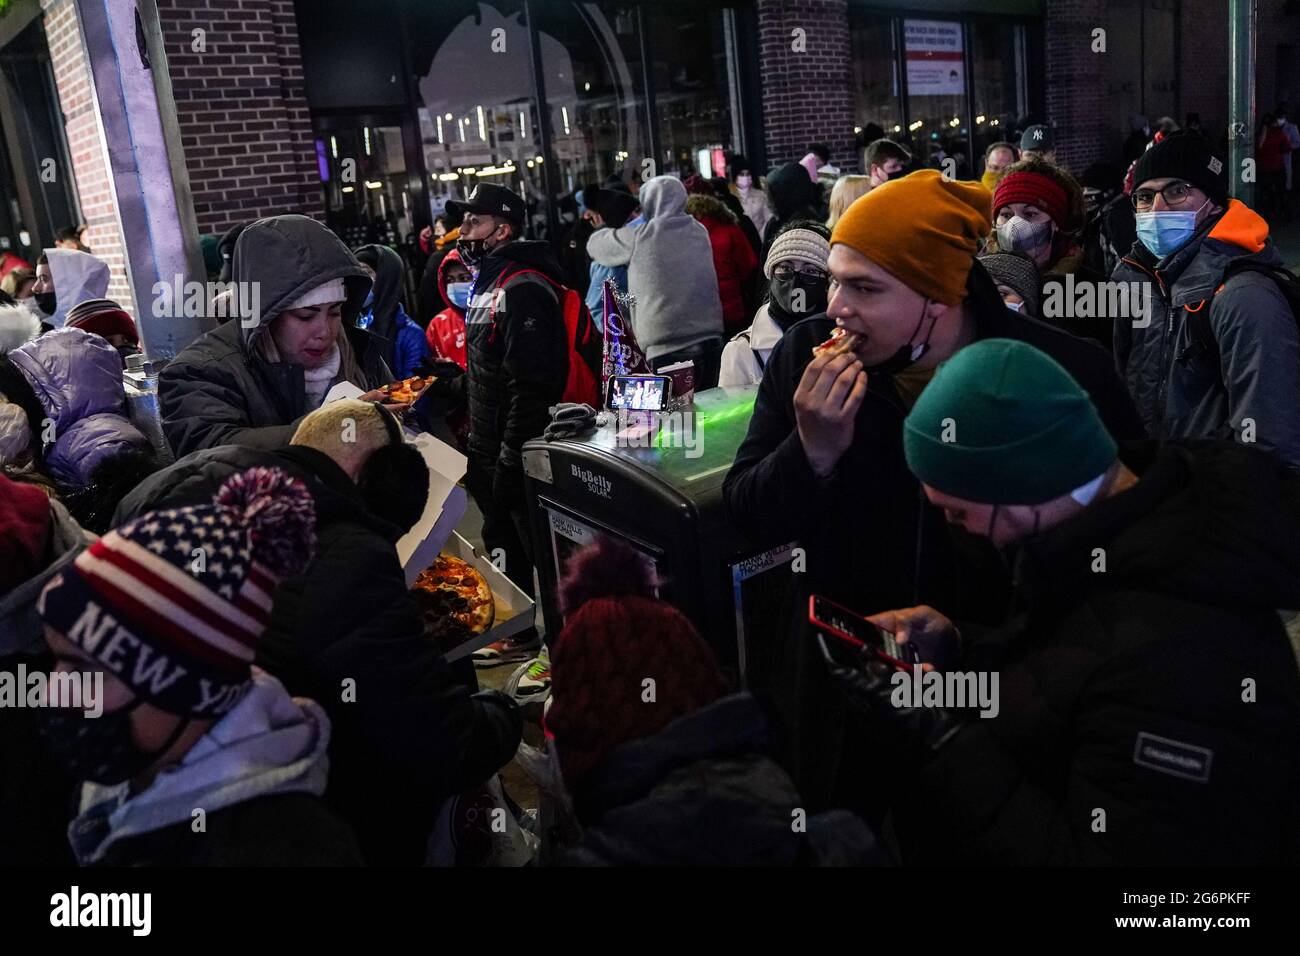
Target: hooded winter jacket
{"x":1253,"y":390}
{"x":872,"y":540}
{"x":703,"y":792}
{"x":1162,"y":691}
{"x":670,"y":271}
{"x":794,"y":196}
{"x":219,"y":390}
{"x":403,"y":341}
{"x":258,"y":774}
{"x":446,"y":332}
{"x":77,"y":377}
{"x":78,"y":277}
{"x":414,"y":735}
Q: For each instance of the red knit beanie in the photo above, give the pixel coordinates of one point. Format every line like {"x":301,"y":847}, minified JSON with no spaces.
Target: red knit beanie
{"x":24,"y":532}
{"x":1036,"y":189}
{"x":625,"y":665}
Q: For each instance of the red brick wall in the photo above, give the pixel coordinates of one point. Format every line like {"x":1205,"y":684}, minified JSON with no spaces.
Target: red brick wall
{"x":1076,"y":82}
{"x":85,"y":144}
{"x":806,"y":96}
{"x":242,"y":110}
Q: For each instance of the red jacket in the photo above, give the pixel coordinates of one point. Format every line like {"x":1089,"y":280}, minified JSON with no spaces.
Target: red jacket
{"x":446,"y":331}
{"x":734,"y":261}
{"x":1273,"y":147}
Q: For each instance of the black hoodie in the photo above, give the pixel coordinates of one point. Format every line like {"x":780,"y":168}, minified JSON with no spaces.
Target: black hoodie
{"x":1161,"y":690}
{"x":794,"y":196}
{"x":388,"y":294}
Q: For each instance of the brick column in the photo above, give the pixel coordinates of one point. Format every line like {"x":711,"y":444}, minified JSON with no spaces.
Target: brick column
{"x":242,"y":110}
{"x":1076,"y":82}
{"x":86,"y":144}
{"x":806,"y":96}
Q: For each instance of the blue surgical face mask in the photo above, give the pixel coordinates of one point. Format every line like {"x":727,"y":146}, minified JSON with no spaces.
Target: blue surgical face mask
{"x":1166,"y":231}
{"x":458,"y":294}
{"x":370,"y":299}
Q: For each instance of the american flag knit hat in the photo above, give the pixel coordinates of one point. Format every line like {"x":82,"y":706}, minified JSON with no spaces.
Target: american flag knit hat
{"x":174,"y":603}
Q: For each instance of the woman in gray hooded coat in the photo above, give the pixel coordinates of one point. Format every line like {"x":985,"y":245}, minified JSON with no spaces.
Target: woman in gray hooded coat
{"x":252,"y":380}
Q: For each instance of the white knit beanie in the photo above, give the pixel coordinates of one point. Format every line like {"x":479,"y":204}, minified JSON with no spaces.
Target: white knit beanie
{"x":332,"y":291}
{"x":797,"y":245}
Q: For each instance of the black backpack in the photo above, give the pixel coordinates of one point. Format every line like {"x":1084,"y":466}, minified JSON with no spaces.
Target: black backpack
{"x":1198,"y":322}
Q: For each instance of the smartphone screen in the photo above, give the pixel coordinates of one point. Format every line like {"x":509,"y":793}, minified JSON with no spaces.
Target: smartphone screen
{"x":846,"y":625}
{"x":638,"y":393}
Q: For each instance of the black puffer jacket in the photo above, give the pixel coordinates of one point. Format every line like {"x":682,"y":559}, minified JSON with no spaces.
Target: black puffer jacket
{"x":1125,"y":690}
{"x":414,"y":735}
{"x":219,"y":390}
{"x":518,"y":353}
{"x":872,"y":541}
{"x":702,"y":792}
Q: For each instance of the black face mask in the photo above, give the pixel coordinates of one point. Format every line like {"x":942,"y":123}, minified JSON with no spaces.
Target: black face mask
{"x":45,"y":302}
{"x":782,"y":298}
{"x":899,"y":174}
{"x":100,"y":748}
{"x":908,"y":353}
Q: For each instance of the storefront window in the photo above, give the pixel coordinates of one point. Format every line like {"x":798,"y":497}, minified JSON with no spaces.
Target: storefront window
{"x":597,"y":96}
{"x":689,"y":64}
{"x":364,"y":173}
{"x":476,"y":116}
{"x":998,"y":95}
{"x":875,"y":78}
{"x":936,"y":92}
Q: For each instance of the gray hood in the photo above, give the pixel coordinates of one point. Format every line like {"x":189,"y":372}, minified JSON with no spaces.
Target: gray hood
{"x":20,"y":625}
{"x":287,"y":257}
{"x":78,"y":277}
{"x":270,"y":743}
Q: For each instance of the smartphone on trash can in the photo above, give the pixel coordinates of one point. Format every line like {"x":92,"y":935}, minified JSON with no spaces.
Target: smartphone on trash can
{"x":638,"y":393}
{"x":853,"y":631}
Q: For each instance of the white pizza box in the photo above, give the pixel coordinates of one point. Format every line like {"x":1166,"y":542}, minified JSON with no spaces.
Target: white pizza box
{"x":515,"y":610}
{"x":445,"y":506}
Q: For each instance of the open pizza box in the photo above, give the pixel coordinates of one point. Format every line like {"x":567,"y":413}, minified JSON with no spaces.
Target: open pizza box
{"x":515,"y":610}
{"x":435,"y":533}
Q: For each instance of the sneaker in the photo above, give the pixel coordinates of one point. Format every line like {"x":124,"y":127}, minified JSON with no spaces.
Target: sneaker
{"x":535,"y":682}
{"x":506,"y":651}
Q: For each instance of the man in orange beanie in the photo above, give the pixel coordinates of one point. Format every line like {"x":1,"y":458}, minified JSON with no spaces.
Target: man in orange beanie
{"x":823,"y":461}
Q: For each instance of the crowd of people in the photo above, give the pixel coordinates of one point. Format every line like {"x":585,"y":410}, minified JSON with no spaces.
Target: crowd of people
{"x":1100,"y":508}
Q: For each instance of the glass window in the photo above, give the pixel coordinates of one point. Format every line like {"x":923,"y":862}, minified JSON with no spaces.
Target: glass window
{"x":691,"y":67}
{"x":594,"y":85}
{"x":875,"y":76}
{"x":998,"y":95}
{"x":936,"y":92}
{"x":364,"y":173}
{"x":477,"y":118}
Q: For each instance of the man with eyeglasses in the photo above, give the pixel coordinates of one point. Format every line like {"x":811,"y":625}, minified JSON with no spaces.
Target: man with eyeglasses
{"x":1215,"y":353}
{"x":822,"y":462}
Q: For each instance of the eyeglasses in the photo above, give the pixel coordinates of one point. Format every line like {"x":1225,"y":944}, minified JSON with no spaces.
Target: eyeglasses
{"x":808,"y":272}
{"x":1174,"y":194}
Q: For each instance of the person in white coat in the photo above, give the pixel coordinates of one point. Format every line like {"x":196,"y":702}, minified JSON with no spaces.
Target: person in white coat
{"x":752,"y":196}
{"x":797,"y":286}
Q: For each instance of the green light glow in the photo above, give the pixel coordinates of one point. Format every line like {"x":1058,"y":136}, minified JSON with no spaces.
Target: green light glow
{"x":706,"y":421}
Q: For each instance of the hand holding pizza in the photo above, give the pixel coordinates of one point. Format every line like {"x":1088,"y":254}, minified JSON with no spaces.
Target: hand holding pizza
{"x":825,"y":406}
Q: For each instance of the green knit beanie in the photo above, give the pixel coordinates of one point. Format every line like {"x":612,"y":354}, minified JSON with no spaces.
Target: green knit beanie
{"x":1003,"y":423}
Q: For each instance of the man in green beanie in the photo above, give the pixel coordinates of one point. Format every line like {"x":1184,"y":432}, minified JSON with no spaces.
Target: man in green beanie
{"x":1149,"y":700}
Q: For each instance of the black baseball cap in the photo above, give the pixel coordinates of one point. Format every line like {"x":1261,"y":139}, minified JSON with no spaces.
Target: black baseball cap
{"x":1037,"y":137}
{"x":489,"y":199}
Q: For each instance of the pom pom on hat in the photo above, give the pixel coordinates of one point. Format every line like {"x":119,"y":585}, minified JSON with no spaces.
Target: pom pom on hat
{"x":280,"y":514}
{"x":606,"y":568}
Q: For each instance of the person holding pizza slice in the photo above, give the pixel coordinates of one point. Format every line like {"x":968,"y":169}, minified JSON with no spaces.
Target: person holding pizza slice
{"x":822,"y":463}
